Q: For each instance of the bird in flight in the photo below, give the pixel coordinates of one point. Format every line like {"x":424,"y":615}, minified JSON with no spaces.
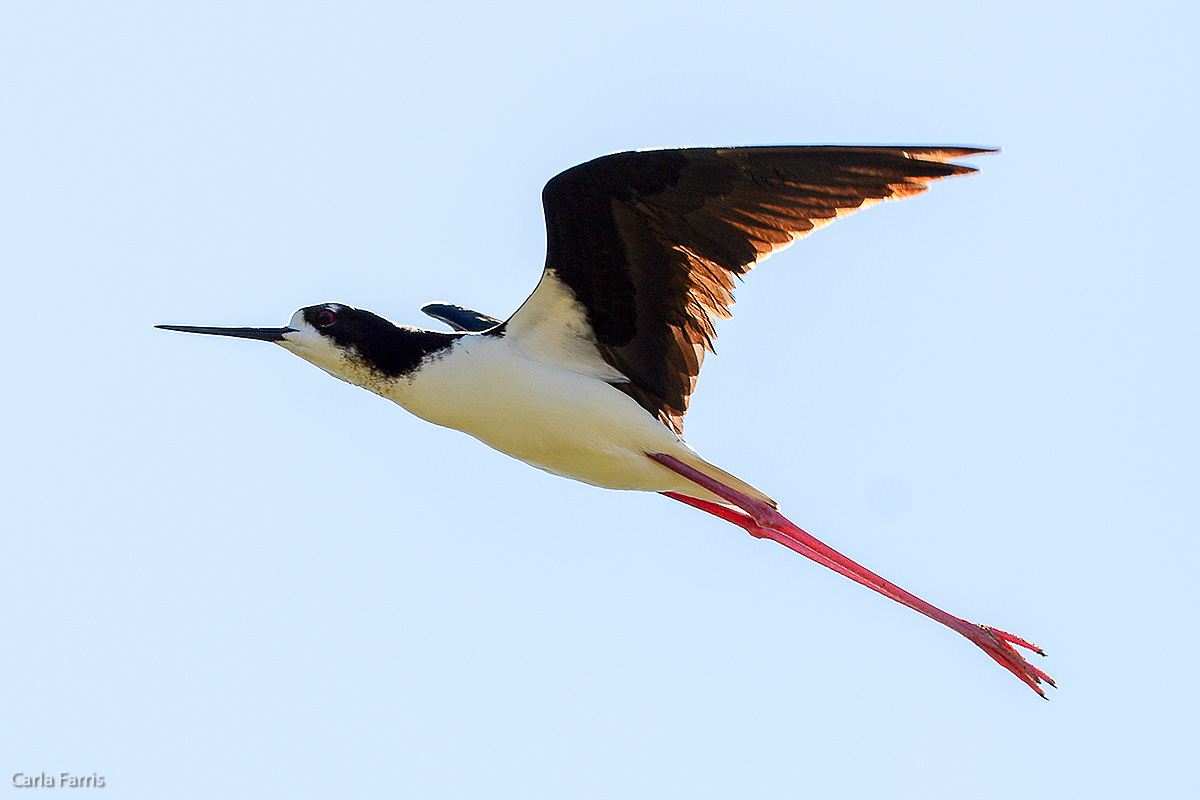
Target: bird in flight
{"x":591,"y":377}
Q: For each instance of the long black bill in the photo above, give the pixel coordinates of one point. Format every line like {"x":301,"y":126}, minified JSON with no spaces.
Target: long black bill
{"x":265,"y":334}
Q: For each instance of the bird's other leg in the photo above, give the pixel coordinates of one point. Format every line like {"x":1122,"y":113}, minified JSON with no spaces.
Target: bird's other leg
{"x":764,"y":522}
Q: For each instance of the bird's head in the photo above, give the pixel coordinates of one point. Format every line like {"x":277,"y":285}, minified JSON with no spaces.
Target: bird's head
{"x":349,"y":343}
{"x":337,"y":338}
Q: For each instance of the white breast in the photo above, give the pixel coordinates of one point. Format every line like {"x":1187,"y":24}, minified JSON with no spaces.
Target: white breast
{"x":558,"y":420}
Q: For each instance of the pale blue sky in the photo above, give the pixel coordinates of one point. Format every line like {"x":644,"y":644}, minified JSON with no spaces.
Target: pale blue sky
{"x":224,"y":570}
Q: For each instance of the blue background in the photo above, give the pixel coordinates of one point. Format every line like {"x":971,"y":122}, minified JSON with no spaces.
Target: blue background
{"x":225,"y":571}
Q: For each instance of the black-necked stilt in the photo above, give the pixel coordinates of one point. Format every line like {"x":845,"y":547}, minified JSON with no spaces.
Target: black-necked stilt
{"x":590,"y":378}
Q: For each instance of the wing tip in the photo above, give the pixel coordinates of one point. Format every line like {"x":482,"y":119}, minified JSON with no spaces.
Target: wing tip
{"x":459,"y":318}
{"x":947,"y":152}
{"x":944,"y":153}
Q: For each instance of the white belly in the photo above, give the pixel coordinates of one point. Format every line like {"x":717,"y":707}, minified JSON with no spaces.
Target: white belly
{"x":560,"y":421}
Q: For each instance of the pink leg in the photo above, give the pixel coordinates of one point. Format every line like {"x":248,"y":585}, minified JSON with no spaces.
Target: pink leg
{"x":763,"y":521}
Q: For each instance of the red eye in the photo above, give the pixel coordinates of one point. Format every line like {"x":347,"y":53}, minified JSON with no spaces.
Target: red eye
{"x":325,"y":318}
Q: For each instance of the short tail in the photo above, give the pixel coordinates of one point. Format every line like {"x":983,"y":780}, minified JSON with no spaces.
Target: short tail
{"x":715,"y":473}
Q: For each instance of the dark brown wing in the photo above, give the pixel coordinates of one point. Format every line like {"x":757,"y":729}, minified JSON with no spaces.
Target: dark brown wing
{"x":649,"y":243}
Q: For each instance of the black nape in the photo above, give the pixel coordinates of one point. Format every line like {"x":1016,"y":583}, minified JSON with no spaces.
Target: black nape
{"x":389,"y":349}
